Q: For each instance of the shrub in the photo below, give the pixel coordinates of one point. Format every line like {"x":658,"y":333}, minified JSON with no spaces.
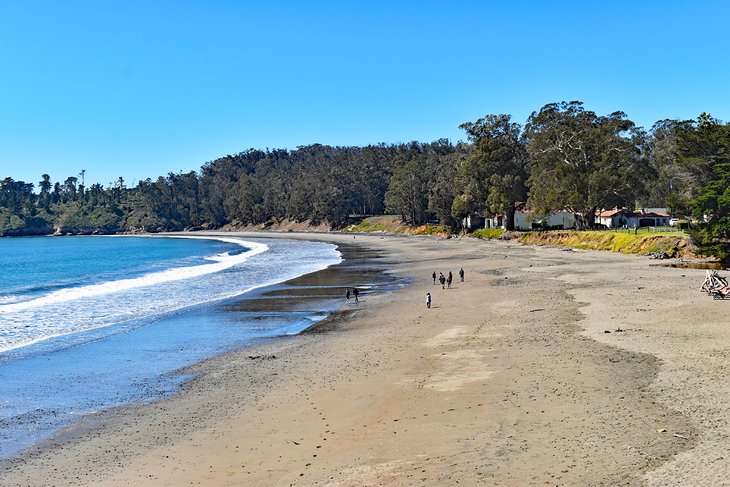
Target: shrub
{"x":487,"y":233}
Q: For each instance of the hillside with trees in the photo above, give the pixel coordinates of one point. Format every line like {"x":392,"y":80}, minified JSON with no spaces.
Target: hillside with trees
{"x":565,"y":157}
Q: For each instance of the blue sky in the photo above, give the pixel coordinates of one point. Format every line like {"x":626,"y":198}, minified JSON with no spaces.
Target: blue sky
{"x":142,"y":88}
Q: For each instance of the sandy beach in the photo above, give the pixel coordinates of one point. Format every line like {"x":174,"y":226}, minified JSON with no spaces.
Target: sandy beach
{"x":547,"y":366}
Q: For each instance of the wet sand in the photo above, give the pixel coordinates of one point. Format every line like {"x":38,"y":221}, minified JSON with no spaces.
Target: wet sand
{"x":545,"y":367}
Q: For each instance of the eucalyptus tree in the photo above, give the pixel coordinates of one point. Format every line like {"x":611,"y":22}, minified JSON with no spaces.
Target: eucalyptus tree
{"x":421,"y":181}
{"x":173,"y":201}
{"x":667,"y":182}
{"x":371,"y":170}
{"x":407,"y":193}
{"x":333,"y":198}
{"x":186,"y":190}
{"x":494,"y":174}
{"x":581,"y":161}
{"x":443,"y":188}
{"x":220,"y":182}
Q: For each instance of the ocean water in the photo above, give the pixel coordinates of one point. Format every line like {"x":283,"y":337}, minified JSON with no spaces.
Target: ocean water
{"x":89,"y":323}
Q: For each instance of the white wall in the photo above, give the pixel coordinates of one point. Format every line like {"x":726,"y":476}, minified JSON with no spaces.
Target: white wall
{"x":525,"y":219}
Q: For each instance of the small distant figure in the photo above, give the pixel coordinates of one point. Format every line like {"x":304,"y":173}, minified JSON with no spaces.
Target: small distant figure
{"x":347,"y":295}
{"x":442,"y":280}
{"x":428,"y":300}
{"x":355,"y":292}
{"x":434,"y":277}
{"x":461,"y":274}
{"x":449,"y":279}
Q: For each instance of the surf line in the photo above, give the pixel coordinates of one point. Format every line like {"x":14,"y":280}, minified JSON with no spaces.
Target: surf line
{"x":220,"y":262}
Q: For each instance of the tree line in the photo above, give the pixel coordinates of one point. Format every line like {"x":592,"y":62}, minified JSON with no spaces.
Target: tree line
{"x":563,"y":157}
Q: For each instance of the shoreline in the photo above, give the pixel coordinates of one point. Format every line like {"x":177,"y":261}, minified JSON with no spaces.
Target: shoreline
{"x":495,"y":385}
{"x":270,"y":300}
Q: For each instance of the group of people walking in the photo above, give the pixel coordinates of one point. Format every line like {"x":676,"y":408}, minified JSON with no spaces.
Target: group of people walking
{"x":355,"y":293}
{"x":444,"y":281}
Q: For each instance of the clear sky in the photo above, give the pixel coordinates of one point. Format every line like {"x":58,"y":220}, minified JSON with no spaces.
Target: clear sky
{"x":139,"y":89}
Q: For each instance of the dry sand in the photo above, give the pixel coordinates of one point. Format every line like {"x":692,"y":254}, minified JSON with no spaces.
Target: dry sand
{"x":510,"y":379}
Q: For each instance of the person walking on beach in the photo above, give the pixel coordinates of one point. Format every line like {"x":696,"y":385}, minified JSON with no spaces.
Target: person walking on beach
{"x":434,"y":277}
{"x":347,"y":295}
{"x":461,"y":274}
{"x":355,"y":292}
{"x":449,"y":279}
{"x":442,"y":280}
{"x":428,"y":300}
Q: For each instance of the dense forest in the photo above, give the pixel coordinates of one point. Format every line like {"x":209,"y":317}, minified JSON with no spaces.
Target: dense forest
{"x":565,"y":156}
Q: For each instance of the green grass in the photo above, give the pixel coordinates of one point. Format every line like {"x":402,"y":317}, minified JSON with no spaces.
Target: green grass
{"x":487,"y":233}
{"x":674,"y":243}
{"x":396,"y":226}
{"x":366,"y":226}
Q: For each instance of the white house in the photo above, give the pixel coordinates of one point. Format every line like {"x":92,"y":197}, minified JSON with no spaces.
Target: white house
{"x":616,"y":218}
{"x":621,"y":217}
{"x":472,"y":222}
{"x":647,"y":219}
{"x":527,"y":219}
{"x":496,"y":221}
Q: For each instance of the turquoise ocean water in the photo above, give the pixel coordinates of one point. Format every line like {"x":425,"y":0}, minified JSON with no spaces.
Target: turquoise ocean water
{"x":88,"y":323}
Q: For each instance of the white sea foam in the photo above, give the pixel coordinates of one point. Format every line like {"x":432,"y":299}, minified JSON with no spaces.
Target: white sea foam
{"x":126,"y":301}
{"x":222,"y":262}
{"x":11,"y":298}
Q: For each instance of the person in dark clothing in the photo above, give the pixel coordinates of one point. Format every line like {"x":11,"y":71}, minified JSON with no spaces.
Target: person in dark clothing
{"x":347,"y":295}
{"x":355,"y":292}
{"x":434,"y":277}
{"x":461,"y":274}
{"x":442,"y":280}
{"x":449,"y":279}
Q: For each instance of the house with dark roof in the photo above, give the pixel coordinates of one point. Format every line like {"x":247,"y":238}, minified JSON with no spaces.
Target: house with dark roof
{"x":623,"y":218}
